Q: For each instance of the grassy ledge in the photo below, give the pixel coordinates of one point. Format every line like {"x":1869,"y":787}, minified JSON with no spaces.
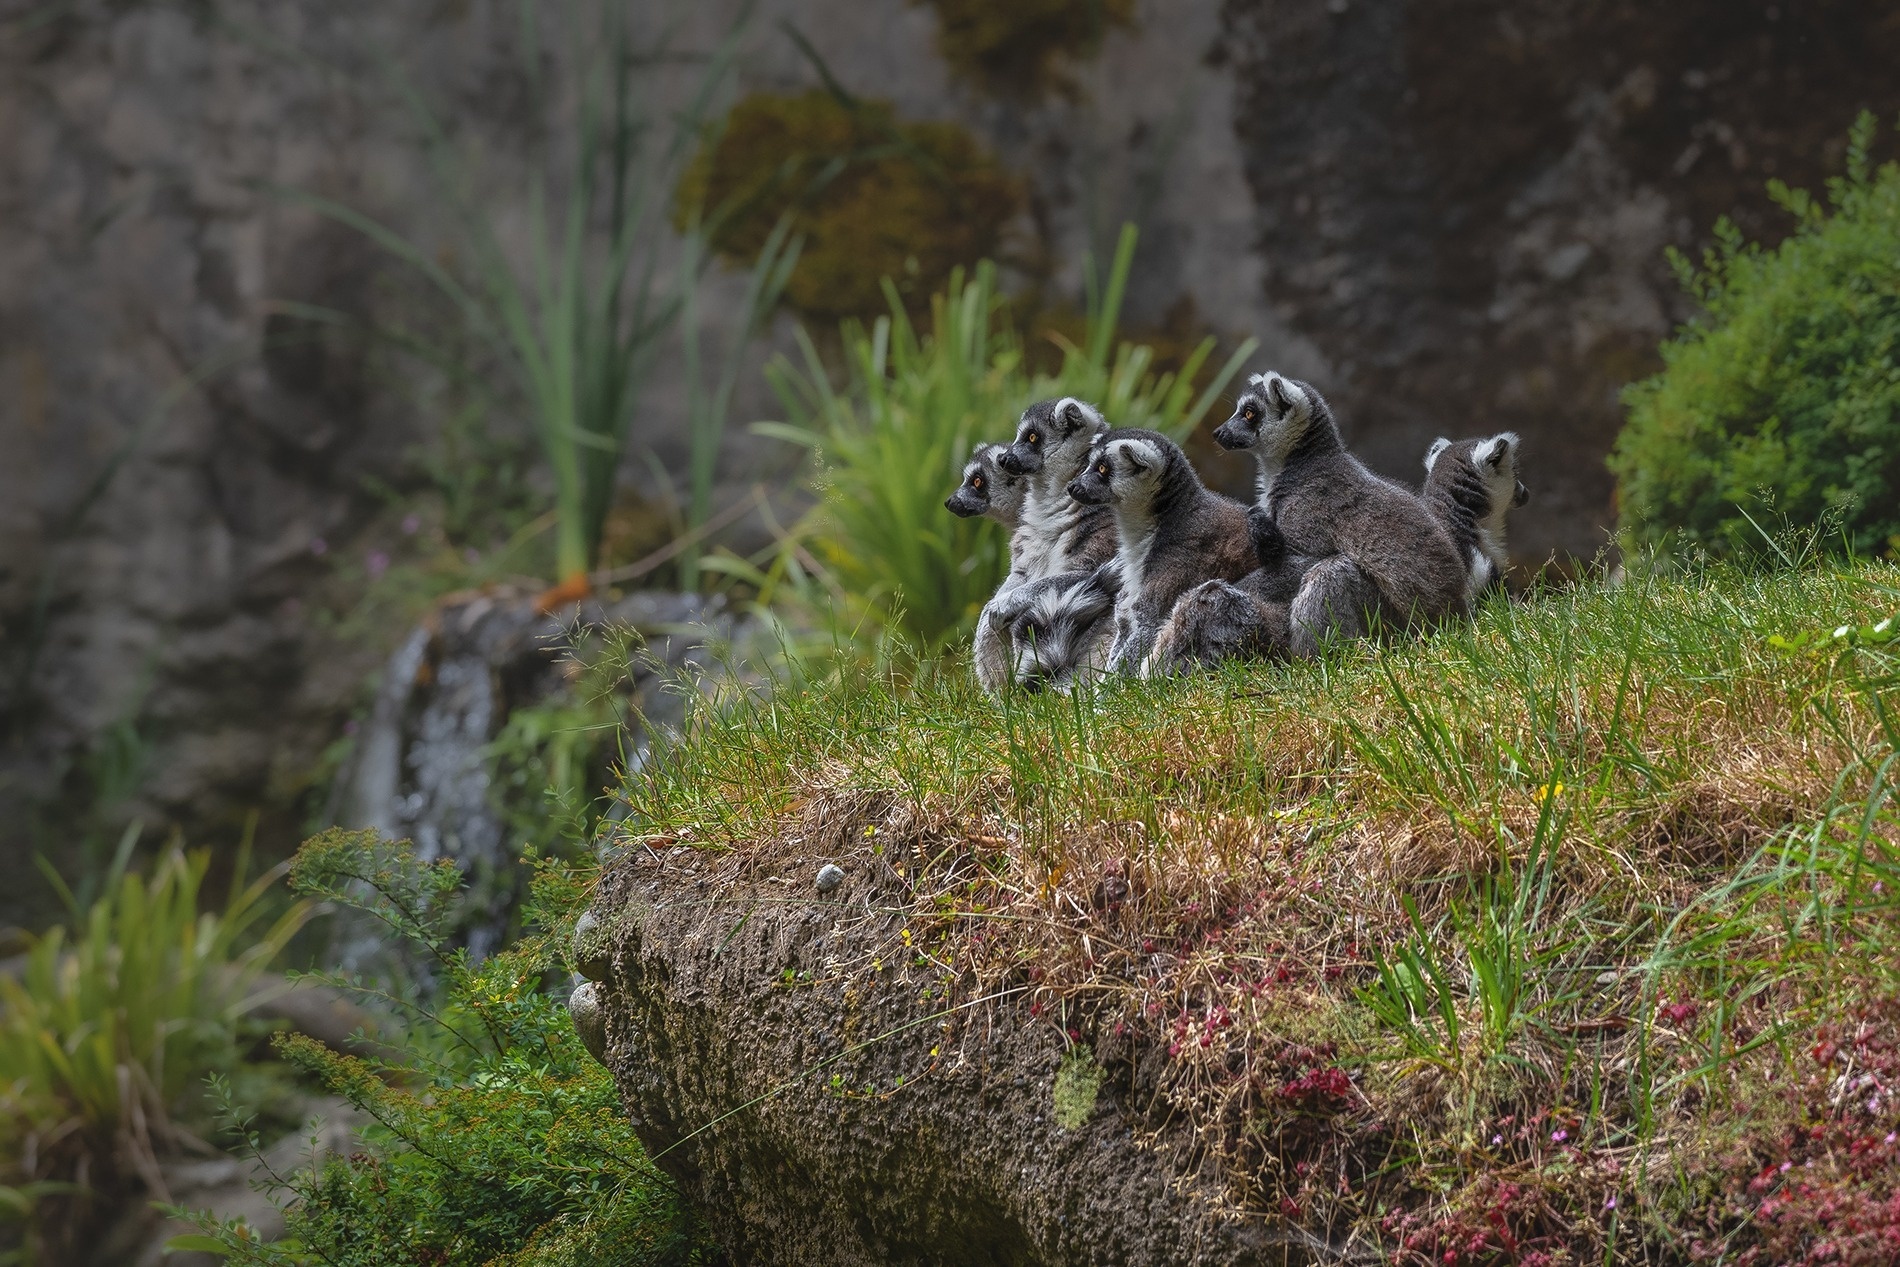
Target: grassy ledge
{"x":1565,"y":936}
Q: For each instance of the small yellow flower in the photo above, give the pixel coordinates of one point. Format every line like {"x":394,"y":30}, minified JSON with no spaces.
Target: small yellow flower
{"x":870,"y":831}
{"x":1547,"y":791}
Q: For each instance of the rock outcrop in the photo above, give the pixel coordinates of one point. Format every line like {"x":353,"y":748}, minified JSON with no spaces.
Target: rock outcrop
{"x":821,"y":1099}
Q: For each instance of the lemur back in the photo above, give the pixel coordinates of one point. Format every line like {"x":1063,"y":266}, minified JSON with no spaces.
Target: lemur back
{"x":1327,"y":503}
{"x":1471,"y":486}
{"x":1173,"y":533}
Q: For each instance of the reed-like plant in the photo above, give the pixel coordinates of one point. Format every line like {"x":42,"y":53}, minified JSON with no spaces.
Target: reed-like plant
{"x":111,"y":1023}
{"x":573,"y":318}
{"x":889,"y":443}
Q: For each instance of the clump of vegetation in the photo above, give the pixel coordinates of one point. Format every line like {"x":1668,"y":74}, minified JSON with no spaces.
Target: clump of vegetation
{"x":879,"y":550}
{"x":871,"y":196}
{"x":569,"y":333}
{"x":1017,"y":49}
{"x":108,"y":1032}
{"x":1565,"y":936}
{"x":497,"y":1139}
{"x":1788,"y":383}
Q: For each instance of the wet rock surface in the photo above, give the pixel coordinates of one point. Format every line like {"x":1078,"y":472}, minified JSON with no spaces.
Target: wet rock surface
{"x":894,"y":1129}
{"x":422,"y":767}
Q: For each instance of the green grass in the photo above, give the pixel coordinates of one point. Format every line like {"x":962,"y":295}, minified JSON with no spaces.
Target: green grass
{"x":1561,"y":894}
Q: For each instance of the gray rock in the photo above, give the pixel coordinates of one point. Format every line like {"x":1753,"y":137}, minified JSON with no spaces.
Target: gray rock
{"x":590,"y":1022}
{"x":591,"y":950}
{"x":830,"y":876}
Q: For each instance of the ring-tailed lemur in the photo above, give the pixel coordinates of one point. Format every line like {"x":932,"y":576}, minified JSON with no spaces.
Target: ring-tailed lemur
{"x":1174,"y":533}
{"x":988,"y":489}
{"x":1471,"y":486}
{"x":1064,"y":627}
{"x":994,"y":493}
{"x":1054,"y":535}
{"x":1392,"y":556}
{"x":1244,"y":619}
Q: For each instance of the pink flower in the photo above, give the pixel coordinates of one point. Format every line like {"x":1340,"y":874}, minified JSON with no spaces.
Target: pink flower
{"x":411,"y":525}
{"x":1559,"y":1135}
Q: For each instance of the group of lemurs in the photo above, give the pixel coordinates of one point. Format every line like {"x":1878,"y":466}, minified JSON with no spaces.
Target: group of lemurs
{"x":1122,"y":561}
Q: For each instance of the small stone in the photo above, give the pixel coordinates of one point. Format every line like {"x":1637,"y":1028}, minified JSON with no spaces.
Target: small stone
{"x":589,"y":1021}
{"x":592,"y":955}
{"x":830,"y":876}
{"x":1606,"y":978}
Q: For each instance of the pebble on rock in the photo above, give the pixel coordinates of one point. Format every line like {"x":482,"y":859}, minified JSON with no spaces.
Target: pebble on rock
{"x":590,"y":947}
{"x":589,"y":1021}
{"x":830,"y":876}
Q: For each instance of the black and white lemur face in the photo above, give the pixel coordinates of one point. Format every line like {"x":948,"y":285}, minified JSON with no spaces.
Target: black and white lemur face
{"x":1052,"y":437}
{"x":1118,"y":470}
{"x":1472,"y":486}
{"x":1270,"y":418}
{"x":988,"y":489}
{"x":1060,"y":634}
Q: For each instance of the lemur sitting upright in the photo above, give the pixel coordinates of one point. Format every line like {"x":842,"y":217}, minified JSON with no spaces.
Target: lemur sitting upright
{"x":1174,"y":533}
{"x":1471,"y":486}
{"x":1054,"y":536}
{"x":1392,"y":557}
{"x":994,"y":493}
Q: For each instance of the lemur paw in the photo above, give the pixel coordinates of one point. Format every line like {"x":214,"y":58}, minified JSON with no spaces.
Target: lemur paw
{"x":1269,"y":544}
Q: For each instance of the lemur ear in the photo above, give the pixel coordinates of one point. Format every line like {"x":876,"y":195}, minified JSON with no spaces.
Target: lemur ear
{"x":1431,"y":455}
{"x":1128,"y":451}
{"x":1277,"y":394}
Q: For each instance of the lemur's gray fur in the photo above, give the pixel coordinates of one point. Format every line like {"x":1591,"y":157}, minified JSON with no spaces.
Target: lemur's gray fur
{"x":1394,"y":560}
{"x":1244,"y":619}
{"x":1054,"y":535}
{"x":1471,"y":486}
{"x":1174,"y":533}
{"x":1063,"y":628}
{"x":994,"y":493}
{"x":1057,"y":534}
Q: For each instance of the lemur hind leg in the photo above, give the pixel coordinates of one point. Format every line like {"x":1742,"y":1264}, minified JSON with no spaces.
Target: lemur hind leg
{"x":1335,"y":602}
{"x":1217,"y":621}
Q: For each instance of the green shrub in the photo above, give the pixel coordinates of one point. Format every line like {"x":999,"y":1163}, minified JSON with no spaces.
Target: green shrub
{"x":1788,"y":382}
{"x":496,"y":1138}
{"x":880,"y":550}
{"x":109,"y":1030}
{"x":871,"y":197}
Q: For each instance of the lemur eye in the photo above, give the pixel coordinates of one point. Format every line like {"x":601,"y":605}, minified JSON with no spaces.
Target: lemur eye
{"x":976,"y":481}
{"x":1101,"y":468}
{"x":1033,"y":438}
{"x":1250,"y":413}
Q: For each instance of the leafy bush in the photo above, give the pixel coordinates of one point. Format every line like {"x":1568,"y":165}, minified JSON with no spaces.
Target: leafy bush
{"x":109,"y":1030}
{"x":1788,"y":382}
{"x":891,"y":444}
{"x":496,"y":1138}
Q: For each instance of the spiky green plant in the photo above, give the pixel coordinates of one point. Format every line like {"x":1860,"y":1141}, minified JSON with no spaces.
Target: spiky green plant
{"x":889,"y":444}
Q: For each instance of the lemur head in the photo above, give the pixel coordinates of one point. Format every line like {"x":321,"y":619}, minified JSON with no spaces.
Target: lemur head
{"x":1271,"y":417}
{"x":1053,"y":436}
{"x":988,"y":489}
{"x":1124,"y":466}
{"x":1055,"y":631}
{"x":1489,"y":465}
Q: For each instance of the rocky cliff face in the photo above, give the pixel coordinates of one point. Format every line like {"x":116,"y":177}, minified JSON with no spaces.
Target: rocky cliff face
{"x":823,"y":1101}
{"x":1450,"y":213}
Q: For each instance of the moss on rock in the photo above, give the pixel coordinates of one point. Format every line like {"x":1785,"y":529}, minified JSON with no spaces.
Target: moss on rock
{"x":873,"y":197}
{"x":1015,"y":48}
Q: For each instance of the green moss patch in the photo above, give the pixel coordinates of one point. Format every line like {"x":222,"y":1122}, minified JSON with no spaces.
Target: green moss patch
{"x":872,"y":196}
{"x":1016,"y":48}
